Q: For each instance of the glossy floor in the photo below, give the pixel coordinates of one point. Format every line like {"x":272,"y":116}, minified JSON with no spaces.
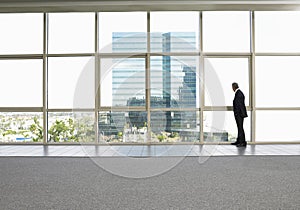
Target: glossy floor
{"x":145,"y":150}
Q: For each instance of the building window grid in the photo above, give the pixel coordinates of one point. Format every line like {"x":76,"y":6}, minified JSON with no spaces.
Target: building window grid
{"x":45,"y":55}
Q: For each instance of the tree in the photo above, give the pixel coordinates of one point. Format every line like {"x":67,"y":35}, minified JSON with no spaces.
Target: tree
{"x":58,"y":131}
{"x":161,"y":137}
{"x":9,"y":132}
{"x":37,"y":130}
{"x":63,"y":130}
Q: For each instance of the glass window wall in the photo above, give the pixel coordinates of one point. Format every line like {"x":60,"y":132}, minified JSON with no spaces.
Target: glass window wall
{"x":220,"y":126}
{"x":21,"y":83}
{"x":21,"y":127}
{"x":220,"y":73}
{"x":174,"y":31}
{"x":122,"y":82}
{"x":277,"y":81}
{"x":71,"y":82}
{"x":277,"y":31}
{"x":226,"y":31}
{"x":277,"y":126}
{"x":174,"y":82}
{"x":71,"y":127}
{"x":147,"y":76}
{"x":71,"y":33}
{"x":175,"y":126}
{"x":21,"y":33}
{"x":123,"y":127}
{"x":123,"y":32}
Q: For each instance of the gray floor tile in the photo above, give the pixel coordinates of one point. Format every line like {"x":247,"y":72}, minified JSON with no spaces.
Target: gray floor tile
{"x":147,"y":151}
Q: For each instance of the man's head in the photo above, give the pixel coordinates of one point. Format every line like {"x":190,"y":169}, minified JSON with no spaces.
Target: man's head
{"x":235,"y":86}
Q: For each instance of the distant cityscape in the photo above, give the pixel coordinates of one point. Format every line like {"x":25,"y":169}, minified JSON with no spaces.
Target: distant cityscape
{"x":174,"y":81}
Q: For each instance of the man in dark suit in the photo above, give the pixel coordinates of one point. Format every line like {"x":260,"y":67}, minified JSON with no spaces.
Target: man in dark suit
{"x":240,"y":113}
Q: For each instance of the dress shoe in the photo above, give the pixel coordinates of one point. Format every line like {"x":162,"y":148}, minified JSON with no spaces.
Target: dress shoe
{"x":244,"y":144}
{"x":235,"y":143}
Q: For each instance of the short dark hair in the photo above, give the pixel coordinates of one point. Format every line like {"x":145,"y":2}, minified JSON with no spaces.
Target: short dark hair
{"x":235,"y":85}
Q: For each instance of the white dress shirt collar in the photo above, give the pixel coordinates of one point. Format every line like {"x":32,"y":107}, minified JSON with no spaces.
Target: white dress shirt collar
{"x":236,"y":90}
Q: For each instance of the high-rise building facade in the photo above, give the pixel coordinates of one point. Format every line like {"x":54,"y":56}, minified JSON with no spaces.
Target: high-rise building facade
{"x":173,"y":83}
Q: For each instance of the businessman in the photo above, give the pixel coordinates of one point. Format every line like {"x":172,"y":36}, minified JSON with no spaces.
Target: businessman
{"x":240,"y":112}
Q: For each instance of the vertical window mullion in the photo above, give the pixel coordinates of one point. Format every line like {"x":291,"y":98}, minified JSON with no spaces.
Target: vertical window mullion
{"x":97,"y":78}
{"x":45,"y":78}
{"x":252,"y":78}
{"x":201,"y":82}
{"x":148,"y":87}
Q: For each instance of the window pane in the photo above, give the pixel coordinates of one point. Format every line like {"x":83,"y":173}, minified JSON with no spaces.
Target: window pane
{"x":221,"y":126}
{"x":71,"y":127}
{"x":123,"y":126}
{"x":123,"y":31}
{"x":277,"y":81}
{"x":226,"y":31}
{"x":175,"y":126}
{"x":220,"y":73}
{"x":21,"y":33}
{"x":71,"y":32}
{"x":21,"y":127}
{"x":174,"y":81}
{"x":22,"y":83}
{"x":71,"y":82}
{"x":174,"y":31}
{"x":277,"y":125}
{"x":123,"y":82}
{"x":277,"y":31}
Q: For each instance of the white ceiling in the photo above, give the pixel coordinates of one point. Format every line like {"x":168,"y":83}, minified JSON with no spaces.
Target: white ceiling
{"x":146,"y":5}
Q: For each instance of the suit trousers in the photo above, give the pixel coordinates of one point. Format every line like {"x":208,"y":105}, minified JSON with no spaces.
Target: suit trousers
{"x":241,"y":133}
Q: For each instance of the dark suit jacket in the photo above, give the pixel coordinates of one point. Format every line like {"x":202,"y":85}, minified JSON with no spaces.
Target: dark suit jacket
{"x":239,"y":107}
